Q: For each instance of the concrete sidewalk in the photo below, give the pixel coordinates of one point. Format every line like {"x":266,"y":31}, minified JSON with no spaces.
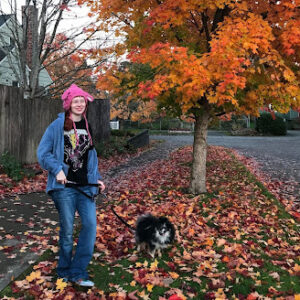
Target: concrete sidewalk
{"x":26,"y":223}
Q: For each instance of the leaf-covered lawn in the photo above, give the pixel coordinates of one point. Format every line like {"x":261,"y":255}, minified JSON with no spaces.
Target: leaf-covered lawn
{"x":9,"y":187}
{"x":235,"y":242}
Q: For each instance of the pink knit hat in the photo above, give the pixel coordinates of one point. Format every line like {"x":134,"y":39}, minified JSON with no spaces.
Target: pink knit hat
{"x":74,"y":91}
{"x":67,"y":97}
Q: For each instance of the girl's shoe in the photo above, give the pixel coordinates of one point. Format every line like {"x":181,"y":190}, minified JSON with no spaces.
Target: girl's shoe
{"x":84,"y":282}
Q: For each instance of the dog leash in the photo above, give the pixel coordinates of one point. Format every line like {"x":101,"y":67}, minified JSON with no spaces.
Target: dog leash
{"x":121,"y":219}
{"x":76,"y":186}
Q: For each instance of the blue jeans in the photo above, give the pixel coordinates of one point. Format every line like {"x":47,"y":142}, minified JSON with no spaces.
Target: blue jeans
{"x":67,"y":201}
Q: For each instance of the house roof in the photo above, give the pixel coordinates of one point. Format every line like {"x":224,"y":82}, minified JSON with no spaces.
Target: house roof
{"x":4,"y":18}
{"x":2,"y":55}
{"x":6,"y":49}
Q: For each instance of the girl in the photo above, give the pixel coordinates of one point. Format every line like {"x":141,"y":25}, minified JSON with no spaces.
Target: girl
{"x":66,"y":151}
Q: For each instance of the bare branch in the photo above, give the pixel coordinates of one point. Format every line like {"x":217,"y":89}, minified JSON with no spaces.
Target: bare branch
{"x":74,"y":50}
{"x":123,"y":20}
{"x":194,"y":22}
{"x":67,"y":78}
{"x":58,"y":19}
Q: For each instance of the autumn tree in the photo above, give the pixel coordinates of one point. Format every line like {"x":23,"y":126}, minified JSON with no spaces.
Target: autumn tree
{"x":208,"y":57}
{"x":35,"y":41}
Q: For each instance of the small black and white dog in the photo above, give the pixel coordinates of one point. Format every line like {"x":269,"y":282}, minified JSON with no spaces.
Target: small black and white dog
{"x":153,"y":233}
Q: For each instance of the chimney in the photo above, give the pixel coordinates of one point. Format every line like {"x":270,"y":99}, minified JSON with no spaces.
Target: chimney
{"x":30,"y":28}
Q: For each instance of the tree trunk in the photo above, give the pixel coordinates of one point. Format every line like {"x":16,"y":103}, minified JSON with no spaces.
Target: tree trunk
{"x":198,"y":178}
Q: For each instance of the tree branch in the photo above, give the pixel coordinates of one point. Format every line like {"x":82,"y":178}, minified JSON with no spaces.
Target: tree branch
{"x":124,"y":21}
{"x":194,"y":21}
{"x":219,"y":17}
{"x":205,"y":26}
{"x":54,"y":30}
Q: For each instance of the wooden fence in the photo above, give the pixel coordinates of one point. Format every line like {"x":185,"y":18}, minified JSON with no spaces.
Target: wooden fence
{"x":23,"y":122}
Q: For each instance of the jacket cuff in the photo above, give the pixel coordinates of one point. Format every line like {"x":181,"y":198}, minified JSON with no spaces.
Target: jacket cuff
{"x":57,"y":170}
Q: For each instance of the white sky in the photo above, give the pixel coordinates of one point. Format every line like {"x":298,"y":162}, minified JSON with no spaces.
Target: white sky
{"x":80,"y":13}
{"x":73,"y":21}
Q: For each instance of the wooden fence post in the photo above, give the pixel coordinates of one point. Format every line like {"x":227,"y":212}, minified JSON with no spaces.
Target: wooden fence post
{"x":99,"y":117}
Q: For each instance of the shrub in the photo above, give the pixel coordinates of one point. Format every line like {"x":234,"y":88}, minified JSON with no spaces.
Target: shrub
{"x":236,"y":123}
{"x":116,"y":144}
{"x":13,"y":168}
{"x":267,"y":125}
{"x":126,"y":133}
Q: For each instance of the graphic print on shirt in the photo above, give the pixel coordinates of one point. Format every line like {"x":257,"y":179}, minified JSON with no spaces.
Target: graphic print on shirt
{"x":74,"y":155}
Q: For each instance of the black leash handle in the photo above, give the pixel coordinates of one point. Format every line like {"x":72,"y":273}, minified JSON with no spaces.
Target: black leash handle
{"x":76,"y":186}
{"x":81,"y":184}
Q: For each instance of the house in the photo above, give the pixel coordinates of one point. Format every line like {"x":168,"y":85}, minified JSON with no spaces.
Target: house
{"x":8,"y":54}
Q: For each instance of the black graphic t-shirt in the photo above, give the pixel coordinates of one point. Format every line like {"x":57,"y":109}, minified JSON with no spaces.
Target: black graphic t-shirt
{"x":77,"y":156}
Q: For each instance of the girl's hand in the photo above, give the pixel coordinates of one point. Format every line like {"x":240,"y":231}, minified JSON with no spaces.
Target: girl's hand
{"x":101,"y":185}
{"x":61,"y":177}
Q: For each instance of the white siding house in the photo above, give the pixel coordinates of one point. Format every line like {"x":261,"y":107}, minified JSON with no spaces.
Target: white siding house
{"x":7,"y":45}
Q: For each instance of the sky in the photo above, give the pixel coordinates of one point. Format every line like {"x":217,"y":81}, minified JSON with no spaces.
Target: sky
{"x":75,"y":18}
{"x":77,"y":15}
{"x":80,"y":13}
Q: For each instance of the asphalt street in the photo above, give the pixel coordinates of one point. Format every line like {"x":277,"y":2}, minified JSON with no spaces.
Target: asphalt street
{"x":280,"y":156}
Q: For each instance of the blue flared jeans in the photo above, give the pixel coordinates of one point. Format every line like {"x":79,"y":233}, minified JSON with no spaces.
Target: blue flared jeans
{"x":67,"y":202}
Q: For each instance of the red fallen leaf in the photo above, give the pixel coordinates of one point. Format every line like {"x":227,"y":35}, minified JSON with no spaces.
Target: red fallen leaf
{"x":35,"y":291}
{"x":35,"y":249}
{"x":259,"y":262}
{"x":15,"y":288}
{"x":142,"y":273}
{"x":174,"y":297}
{"x":253,"y":296}
{"x":8,"y":249}
{"x":210,"y":295}
{"x":295,"y":214}
{"x":9,"y":236}
{"x":133,"y":258}
{"x":225,"y":259}
{"x":216,"y":284}
{"x":232,"y":263}
{"x":171,"y":266}
{"x":132,"y":295}
{"x":274,"y":291}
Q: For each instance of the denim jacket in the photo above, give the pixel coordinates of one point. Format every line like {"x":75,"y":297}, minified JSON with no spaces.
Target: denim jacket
{"x":50,"y":155}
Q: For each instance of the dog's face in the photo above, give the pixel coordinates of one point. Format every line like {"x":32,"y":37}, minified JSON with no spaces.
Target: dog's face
{"x":163,"y":226}
{"x":164,"y":230}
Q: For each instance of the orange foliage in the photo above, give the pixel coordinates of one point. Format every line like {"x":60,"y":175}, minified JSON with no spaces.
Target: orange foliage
{"x":232,"y":56}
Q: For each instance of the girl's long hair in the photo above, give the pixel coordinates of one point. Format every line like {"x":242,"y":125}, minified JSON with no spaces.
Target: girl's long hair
{"x":68,"y":125}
